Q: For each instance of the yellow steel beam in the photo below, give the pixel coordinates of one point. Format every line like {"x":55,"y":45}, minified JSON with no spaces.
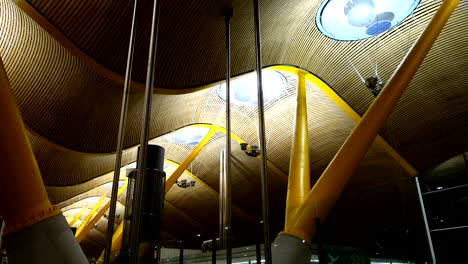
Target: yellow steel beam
{"x":23,"y":197}
{"x":299,"y":173}
{"x":116,"y":242}
{"x":240,"y":140}
{"x":210,"y":189}
{"x":75,"y":218}
{"x":89,"y":225}
{"x":117,"y":237}
{"x":325,"y":88}
{"x":202,"y":182}
{"x":88,"y":217}
{"x":170,"y":181}
{"x":328,"y":188}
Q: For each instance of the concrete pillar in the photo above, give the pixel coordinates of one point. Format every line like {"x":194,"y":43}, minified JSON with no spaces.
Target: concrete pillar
{"x":50,"y":241}
{"x":288,"y":249}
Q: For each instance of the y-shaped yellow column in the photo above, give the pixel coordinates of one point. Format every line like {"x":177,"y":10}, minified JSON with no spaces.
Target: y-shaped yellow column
{"x":320,"y":200}
{"x":36,"y":231}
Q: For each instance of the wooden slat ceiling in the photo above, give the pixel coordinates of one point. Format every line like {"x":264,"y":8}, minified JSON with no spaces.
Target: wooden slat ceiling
{"x":66,"y":59}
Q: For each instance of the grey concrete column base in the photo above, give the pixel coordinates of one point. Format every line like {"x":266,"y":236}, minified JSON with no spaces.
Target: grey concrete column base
{"x":49,"y":241}
{"x":289,"y":249}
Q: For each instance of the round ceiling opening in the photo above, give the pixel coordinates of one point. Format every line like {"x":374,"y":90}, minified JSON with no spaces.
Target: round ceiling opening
{"x":361,"y":19}
{"x":244,"y":88}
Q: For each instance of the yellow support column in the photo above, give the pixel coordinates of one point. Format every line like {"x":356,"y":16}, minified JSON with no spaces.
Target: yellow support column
{"x":327,"y":190}
{"x":183,"y":166}
{"x":35,"y":229}
{"x":75,"y":218}
{"x":88,"y":217}
{"x":23,"y":197}
{"x":299,"y":173}
{"x":116,"y":242}
{"x":87,"y":226}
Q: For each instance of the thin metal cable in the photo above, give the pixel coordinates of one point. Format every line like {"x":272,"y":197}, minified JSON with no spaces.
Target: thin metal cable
{"x":352,"y":65}
{"x":120,"y":139}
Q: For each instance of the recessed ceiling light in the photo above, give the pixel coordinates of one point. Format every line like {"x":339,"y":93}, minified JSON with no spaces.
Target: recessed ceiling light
{"x":244,"y":88}
{"x":361,"y":19}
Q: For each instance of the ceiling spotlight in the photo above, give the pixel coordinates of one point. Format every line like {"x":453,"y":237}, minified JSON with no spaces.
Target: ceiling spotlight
{"x":360,"y":19}
{"x":375,"y":85}
{"x":250,"y":150}
{"x":185,"y":184}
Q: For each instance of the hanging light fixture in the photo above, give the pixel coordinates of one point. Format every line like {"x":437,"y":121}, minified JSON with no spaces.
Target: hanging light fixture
{"x":360,"y":19}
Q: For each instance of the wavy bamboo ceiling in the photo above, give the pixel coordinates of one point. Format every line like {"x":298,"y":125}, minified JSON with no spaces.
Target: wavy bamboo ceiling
{"x":66,"y":59}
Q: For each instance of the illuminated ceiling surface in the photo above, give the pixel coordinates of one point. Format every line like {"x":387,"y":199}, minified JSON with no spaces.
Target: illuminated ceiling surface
{"x":66,"y":60}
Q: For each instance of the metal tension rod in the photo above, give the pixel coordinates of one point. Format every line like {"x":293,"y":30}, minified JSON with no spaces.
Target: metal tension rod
{"x":135,"y":232}
{"x":227,"y":172}
{"x":261,"y":137}
{"x":328,"y":188}
{"x":120,"y":138}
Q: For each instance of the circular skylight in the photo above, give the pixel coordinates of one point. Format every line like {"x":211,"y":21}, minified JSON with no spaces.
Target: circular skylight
{"x":244,"y":89}
{"x":360,"y":19}
{"x":189,"y":135}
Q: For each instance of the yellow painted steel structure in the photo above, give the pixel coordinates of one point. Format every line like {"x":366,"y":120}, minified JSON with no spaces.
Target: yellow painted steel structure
{"x":23,"y":195}
{"x":117,"y":238}
{"x":325,"y":88}
{"x":116,"y":242}
{"x":75,"y":218}
{"x":80,"y":234}
{"x":328,"y":188}
{"x":246,"y":215}
{"x":299,"y":172}
{"x":192,"y":176}
{"x":171,"y":180}
{"x":240,"y":140}
{"x":88,"y":217}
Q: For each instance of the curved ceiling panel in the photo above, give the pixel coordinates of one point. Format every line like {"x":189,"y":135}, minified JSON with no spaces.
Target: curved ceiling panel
{"x":65,"y":77}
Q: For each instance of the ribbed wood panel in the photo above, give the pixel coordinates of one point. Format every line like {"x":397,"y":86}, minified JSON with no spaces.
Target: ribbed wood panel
{"x":288,"y":37}
{"x":71,"y":110}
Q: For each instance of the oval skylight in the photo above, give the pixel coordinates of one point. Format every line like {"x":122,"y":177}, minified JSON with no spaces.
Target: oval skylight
{"x":244,"y":89}
{"x":189,"y":135}
{"x":361,"y":19}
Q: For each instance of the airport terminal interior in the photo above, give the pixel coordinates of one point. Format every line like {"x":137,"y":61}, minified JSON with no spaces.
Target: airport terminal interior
{"x":67,"y":66}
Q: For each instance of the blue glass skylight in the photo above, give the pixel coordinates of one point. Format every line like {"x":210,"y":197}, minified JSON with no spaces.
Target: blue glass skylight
{"x":361,"y":19}
{"x":244,"y":88}
{"x":189,"y":135}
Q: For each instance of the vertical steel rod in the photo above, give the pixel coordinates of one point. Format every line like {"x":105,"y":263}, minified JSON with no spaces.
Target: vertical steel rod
{"x":426,"y":224}
{"x":222,"y":198}
{"x":1,"y":230}
{"x":120,"y":138}
{"x":261,"y":135}
{"x":181,"y":255}
{"x":227,"y":156}
{"x":213,"y":250}
{"x":135,"y":236}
